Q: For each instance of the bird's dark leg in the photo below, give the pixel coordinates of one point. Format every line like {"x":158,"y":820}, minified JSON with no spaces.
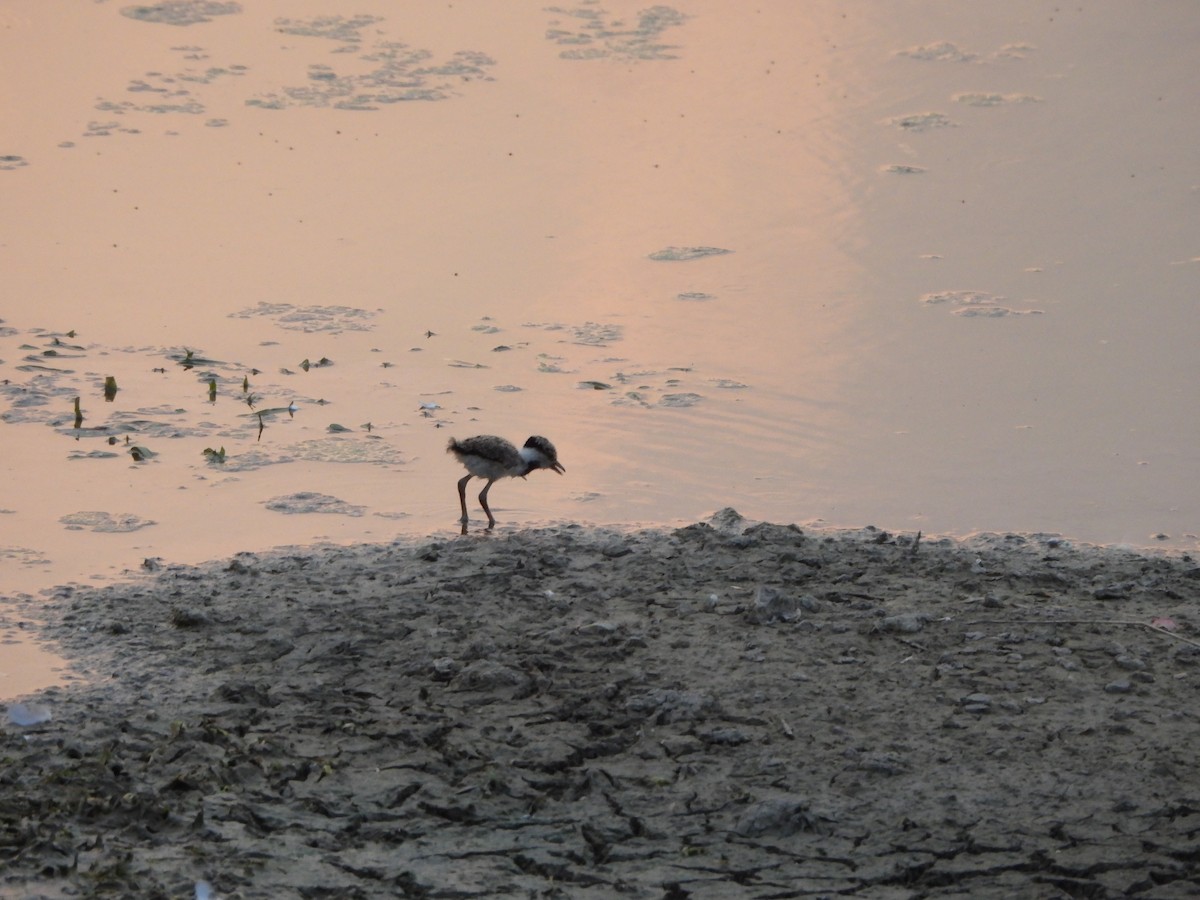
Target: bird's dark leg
{"x":462,"y":499}
{"x":483,"y":503}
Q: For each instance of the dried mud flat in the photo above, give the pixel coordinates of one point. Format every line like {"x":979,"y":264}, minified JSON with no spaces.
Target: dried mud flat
{"x":725,"y":710}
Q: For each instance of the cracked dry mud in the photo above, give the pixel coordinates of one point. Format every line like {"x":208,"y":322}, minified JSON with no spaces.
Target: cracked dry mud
{"x":725,"y":710}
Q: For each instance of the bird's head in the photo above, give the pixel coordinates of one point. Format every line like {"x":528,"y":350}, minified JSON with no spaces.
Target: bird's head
{"x":542,"y":454}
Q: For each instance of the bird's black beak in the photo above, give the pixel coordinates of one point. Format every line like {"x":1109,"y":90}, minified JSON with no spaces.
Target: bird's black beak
{"x":557,"y":467}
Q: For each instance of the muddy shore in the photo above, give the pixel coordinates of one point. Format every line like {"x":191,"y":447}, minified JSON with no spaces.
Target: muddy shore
{"x":725,"y":710}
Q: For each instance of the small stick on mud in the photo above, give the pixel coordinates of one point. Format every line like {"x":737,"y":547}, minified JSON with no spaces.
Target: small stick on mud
{"x":1131,"y":622}
{"x":916,"y":545}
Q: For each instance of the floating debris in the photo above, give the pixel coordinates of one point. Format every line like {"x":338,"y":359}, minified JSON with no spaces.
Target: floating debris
{"x":334,"y":28}
{"x":993,"y":312}
{"x":984,"y":99}
{"x":181,"y":12}
{"x":92,"y":454}
{"x":336,"y":448}
{"x":596,"y":334}
{"x":320,"y":363}
{"x":942,"y":51}
{"x":399,"y":73}
{"x":189,"y":360}
{"x":679,"y":401}
{"x":589,"y":334}
{"x":960,"y":298}
{"x":975,"y":304}
{"x":605,"y":36}
{"x":550,"y":366}
{"x":680,"y":254}
{"x":107,"y":129}
{"x":922,"y":121}
{"x":311,"y":502}
{"x":290,"y":409}
{"x":104,"y":522}
{"x":311,"y":318}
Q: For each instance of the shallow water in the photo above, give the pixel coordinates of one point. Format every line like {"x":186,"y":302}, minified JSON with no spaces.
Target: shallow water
{"x":959,"y":293}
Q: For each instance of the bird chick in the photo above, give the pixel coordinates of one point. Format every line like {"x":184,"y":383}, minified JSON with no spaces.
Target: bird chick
{"x":493,"y":458}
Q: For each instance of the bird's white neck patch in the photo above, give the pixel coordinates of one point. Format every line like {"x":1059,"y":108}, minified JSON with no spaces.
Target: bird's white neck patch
{"x":533,"y":458}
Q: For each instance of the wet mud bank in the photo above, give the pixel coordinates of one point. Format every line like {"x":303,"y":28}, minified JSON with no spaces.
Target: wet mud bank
{"x":724,"y":710}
